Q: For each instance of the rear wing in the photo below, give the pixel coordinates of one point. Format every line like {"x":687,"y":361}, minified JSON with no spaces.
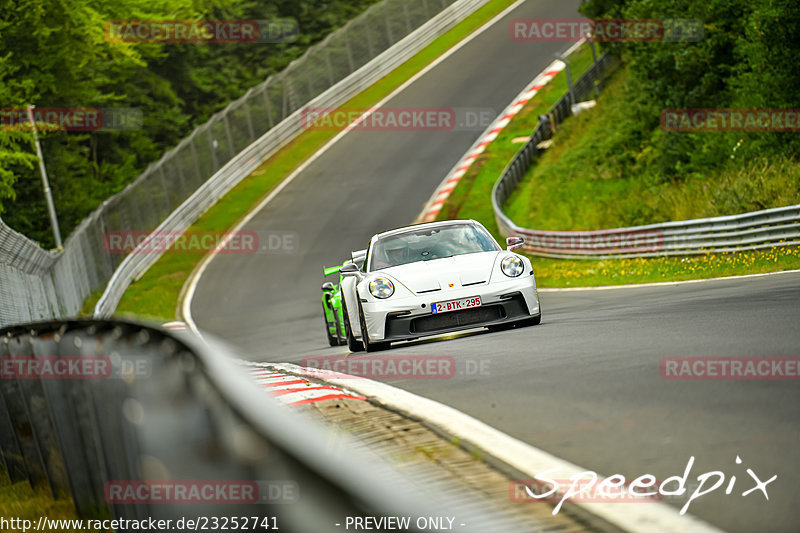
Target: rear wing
{"x":327,"y":271}
{"x":358,"y":257}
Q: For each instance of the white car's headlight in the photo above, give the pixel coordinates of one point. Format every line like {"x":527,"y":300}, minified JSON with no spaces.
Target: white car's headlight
{"x":381,"y":288}
{"x":512,"y":266}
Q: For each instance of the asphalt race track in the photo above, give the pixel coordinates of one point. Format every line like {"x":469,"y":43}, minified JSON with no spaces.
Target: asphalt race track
{"x":585,"y":385}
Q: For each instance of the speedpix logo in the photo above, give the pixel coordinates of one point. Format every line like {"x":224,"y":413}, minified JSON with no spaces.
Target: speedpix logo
{"x":599,"y":241}
{"x":589,"y":487}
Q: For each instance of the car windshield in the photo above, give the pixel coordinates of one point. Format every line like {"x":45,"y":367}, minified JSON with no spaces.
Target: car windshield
{"x":428,"y":244}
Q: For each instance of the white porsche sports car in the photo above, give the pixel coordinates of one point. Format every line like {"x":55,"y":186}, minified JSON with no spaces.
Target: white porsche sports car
{"x":436,"y":278}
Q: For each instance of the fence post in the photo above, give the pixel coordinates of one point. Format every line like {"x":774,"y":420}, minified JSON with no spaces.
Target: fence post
{"x":350,"y":61}
{"x":329,"y":66}
{"x":213,"y":143}
{"x":569,"y":79}
{"x":388,"y":24}
{"x":370,"y":47}
{"x":268,"y":104}
{"x":249,"y":119}
{"x":195,"y":158}
{"x":231,"y":147}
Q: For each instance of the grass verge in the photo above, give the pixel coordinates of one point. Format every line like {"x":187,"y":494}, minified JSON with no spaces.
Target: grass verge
{"x":156,"y":294}
{"x":19,"y":500}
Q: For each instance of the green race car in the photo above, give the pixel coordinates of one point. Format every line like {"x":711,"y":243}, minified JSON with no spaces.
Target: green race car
{"x":332,"y":301}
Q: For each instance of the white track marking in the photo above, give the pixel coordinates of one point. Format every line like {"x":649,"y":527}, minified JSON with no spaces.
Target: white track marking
{"x":666,"y":283}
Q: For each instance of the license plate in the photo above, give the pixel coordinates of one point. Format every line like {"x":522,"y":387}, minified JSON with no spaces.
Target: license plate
{"x":456,"y":305}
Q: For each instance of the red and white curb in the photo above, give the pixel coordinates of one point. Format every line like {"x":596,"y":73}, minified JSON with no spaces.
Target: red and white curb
{"x":294,"y":390}
{"x":442,"y":192}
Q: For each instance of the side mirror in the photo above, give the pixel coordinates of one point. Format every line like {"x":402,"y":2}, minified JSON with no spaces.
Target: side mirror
{"x":512,"y":243}
{"x":327,"y":286}
{"x":349,"y":269}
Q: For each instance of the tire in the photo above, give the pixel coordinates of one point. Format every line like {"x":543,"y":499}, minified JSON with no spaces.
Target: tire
{"x":369,"y":346}
{"x":333,"y":341}
{"x":500,"y":327}
{"x":338,"y":325}
{"x":352,"y":344}
{"x":533,"y":321}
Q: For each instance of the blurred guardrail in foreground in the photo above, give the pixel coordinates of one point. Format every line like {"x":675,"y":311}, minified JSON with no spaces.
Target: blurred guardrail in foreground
{"x":36,"y":284}
{"x":748,"y":231}
{"x":109,"y":411}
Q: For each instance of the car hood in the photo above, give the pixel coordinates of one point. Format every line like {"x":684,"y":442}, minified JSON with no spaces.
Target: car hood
{"x":442,"y":274}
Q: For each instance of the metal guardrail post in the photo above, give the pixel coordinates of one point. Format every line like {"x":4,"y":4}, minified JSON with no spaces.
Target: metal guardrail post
{"x":44,"y":433}
{"x":10,"y":451}
{"x":18,"y":415}
{"x":75,"y":426}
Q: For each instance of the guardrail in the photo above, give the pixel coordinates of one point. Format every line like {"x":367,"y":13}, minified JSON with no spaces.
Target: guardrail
{"x":748,"y":231}
{"x":133,"y":404}
{"x":170,"y":194}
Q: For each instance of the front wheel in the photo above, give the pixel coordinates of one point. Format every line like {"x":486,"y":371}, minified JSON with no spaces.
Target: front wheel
{"x":369,"y":346}
{"x":352,"y":344}
{"x":533,"y":321}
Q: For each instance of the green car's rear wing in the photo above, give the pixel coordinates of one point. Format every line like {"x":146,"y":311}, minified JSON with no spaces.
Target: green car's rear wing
{"x":331,"y":270}
{"x":358,"y":258}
